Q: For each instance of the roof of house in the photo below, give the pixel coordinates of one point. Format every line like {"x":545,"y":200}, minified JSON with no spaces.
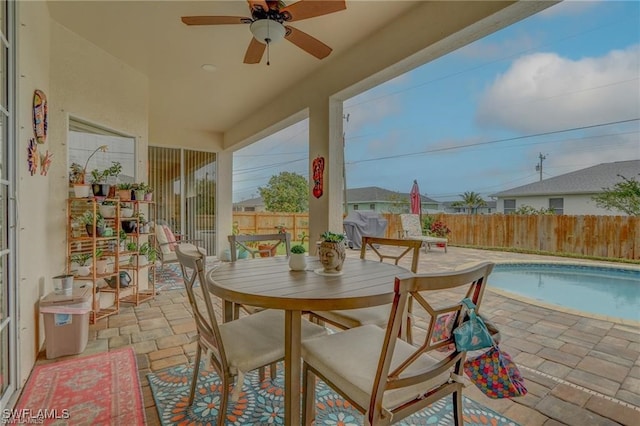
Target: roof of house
{"x":251,"y":202}
{"x":591,"y":180}
{"x":374,"y":193}
{"x":490,"y":204}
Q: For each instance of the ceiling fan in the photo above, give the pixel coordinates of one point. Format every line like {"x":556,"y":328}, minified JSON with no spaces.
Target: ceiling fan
{"x":267,"y":24}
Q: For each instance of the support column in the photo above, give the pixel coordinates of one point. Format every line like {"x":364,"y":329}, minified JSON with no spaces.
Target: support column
{"x":224,"y":199}
{"x":325,"y":140}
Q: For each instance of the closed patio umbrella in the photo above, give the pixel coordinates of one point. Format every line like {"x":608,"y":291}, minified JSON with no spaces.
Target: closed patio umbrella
{"x":416,"y":201}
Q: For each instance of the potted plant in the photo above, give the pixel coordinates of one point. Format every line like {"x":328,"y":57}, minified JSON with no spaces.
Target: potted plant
{"x":149,"y":195}
{"x":83,"y":262}
{"x":297,"y":259}
{"x":147,"y":254}
{"x":140,"y":190}
{"x":124,"y":191}
{"x":126,"y":210}
{"x":99,"y":179}
{"x":107,"y":209}
{"x":332,"y":252}
{"x":76,"y":179}
{"x":89,"y":221}
{"x":102,"y":265}
{"x":439,"y":229}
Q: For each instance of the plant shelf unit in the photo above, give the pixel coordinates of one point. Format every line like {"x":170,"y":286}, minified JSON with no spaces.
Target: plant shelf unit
{"x":93,"y":255}
{"x":143,"y":274}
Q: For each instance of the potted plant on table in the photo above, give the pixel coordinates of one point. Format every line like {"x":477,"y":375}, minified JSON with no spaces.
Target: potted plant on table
{"x":297,"y":259}
{"x":332,"y":252}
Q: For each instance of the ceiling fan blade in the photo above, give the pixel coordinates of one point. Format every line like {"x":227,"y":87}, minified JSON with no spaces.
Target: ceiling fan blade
{"x":259,"y":3}
{"x":254,"y":52}
{"x":312,"y":8}
{"x":307,"y":43}
{"x":215,"y":20}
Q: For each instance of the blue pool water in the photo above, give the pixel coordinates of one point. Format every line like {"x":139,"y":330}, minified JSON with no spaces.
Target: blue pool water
{"x":613,"y":292}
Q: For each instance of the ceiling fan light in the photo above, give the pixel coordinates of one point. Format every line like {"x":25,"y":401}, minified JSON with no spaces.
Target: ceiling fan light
{"x":267,"y":31}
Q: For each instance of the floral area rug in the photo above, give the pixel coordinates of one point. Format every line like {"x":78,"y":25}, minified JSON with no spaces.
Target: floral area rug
{"x":169,"y":277}
{"x":98,"y":389}
{"x":262,"y":403}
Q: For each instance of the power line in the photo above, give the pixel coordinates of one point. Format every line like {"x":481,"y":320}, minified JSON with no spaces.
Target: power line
{"x":429,"y":151}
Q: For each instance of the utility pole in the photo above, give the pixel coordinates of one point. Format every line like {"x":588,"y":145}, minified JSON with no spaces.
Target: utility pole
{"x":539,"y":165}
{"x":344,"y":167}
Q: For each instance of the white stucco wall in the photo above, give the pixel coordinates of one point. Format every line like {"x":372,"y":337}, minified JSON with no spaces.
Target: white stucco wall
{"x":573,"y":204}
{"x":79,"y":80}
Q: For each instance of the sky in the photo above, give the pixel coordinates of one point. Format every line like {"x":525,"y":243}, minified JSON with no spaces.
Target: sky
{"x":563,"y":84}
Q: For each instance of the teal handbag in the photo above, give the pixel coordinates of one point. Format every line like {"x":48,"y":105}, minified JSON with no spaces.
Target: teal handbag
{"x":472,"y":334}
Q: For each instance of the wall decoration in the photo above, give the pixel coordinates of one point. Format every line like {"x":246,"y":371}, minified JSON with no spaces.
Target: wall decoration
{"x":40,"y":112}
{"x":318,"y":171}
{"x":32,"y":156}
{"x":45,"y":162}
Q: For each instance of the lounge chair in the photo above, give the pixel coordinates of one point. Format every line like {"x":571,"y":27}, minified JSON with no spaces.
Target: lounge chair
{"x":167,"y":242}
{"x":412,"y":230}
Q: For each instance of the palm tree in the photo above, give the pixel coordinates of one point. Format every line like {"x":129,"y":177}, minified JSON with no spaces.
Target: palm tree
{"x":470,"y":201}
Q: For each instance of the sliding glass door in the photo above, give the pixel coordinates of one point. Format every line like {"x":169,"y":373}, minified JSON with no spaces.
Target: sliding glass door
{"x":184,"y":183}
{"x":8,"y":286}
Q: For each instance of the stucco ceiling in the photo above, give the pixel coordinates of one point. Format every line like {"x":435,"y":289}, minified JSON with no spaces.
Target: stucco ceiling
{"x":150,"y":37}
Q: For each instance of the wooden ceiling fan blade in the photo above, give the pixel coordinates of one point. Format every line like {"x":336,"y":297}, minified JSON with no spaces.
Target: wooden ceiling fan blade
{"x":254,"y":52}
{"x":305,"y":9}
{"x":307,"y":43}
{"x":215,"y":20}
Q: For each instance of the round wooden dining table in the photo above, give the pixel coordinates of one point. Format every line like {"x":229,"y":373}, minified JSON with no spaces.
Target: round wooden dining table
{"x":268,"y":282}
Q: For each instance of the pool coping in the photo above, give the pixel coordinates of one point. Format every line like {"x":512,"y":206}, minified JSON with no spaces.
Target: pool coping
{"x":559,"y":308}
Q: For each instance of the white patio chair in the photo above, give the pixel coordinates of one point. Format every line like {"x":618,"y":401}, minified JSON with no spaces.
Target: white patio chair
{"x":412,"y":230}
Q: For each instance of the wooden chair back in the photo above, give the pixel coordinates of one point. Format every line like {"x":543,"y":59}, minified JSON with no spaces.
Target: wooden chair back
{"x":245,"y":242}
{"x":474,"y":278}
{"x":192,"y":267}
{"x":377,"y":245}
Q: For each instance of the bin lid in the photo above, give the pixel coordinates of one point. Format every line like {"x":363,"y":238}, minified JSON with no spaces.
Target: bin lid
{"x":79,"y":295}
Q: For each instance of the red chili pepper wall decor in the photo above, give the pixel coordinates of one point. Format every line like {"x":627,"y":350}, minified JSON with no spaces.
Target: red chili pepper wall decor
{"x":318,"y":172}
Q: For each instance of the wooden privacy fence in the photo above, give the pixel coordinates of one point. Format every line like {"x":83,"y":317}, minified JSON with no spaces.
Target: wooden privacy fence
{"x":600,"y":236}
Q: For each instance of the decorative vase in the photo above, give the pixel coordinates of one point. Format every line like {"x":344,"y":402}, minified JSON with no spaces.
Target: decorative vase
{"x":101,"y":189}
{"x":297,"y":261}
{"x":332,"y":256}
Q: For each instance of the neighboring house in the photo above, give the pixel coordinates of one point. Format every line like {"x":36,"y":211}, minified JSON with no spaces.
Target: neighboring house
{"x":488,"y":209}
{"x":385,"y":201}
{"x":250,"y":205}
{"x":569,"y":193}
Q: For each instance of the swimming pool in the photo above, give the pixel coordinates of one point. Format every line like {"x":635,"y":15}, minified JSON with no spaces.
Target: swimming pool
{"x":613,"y":292}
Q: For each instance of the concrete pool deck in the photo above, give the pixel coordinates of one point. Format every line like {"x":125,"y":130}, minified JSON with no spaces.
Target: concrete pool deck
{"x":580,"y":370}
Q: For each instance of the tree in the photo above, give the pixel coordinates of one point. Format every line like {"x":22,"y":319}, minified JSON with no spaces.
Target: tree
{"x":286,"y":192}
{"x":470,"y":201}
{"x":529,"y":210}
{"x":624,"y":197}
{"x":398,"y":204}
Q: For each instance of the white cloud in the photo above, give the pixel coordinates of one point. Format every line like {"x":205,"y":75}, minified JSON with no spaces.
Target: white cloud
{"x":544,"y":92}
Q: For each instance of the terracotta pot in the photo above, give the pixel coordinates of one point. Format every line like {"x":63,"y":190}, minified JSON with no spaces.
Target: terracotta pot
{"x":124,"y":194}
{"x":270,"y":253}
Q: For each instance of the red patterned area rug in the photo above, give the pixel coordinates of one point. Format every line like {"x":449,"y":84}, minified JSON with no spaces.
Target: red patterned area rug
{"x":262,"y":403}
{"x":98,"y":389}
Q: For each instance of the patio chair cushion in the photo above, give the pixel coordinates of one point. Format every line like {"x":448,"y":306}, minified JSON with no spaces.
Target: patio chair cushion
{"x":354,"y":374}
{"x":351,"y":318}
{"x":250,"y":343}
{"x":166,"y":238}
